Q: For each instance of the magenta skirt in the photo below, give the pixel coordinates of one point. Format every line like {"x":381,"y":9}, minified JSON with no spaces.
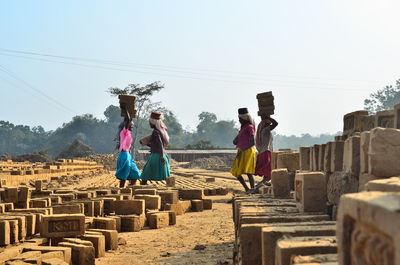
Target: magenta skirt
{"x":263,"y":165}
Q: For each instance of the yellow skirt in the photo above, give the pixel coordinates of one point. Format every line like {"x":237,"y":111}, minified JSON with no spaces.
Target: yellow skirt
{"x":246,"y":163}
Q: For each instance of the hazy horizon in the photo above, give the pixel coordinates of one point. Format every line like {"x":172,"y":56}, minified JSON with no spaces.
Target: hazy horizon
{"x":321,"y":59}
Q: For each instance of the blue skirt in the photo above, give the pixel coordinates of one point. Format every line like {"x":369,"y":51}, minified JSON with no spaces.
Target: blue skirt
{"x":155,"y":169}
{"x":126,"y":167}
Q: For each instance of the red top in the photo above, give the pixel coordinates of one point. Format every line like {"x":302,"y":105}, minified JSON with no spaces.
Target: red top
{"x":245,"y":136}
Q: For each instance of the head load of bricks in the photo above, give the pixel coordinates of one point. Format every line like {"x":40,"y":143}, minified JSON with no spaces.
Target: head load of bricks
{"x":332,"y":203}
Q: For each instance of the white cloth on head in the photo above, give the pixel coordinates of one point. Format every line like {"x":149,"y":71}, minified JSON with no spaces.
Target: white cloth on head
{"x":160,"y":125}
{"x":247,"y":117}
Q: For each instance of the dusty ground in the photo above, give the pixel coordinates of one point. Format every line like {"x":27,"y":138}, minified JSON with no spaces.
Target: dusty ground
{"x":211,"y":230}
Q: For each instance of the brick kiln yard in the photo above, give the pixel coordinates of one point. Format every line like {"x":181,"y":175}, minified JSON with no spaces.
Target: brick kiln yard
{"x":329,"y":204}
{"x":199,"y":228}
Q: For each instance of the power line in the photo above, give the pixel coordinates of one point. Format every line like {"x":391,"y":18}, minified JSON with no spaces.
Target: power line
{"x":161,"y":67}
{"x":272,"y":82}
{"x":49,"y":98}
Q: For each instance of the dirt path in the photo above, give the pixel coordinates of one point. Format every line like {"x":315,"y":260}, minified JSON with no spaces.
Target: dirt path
{"x":212,"y":230}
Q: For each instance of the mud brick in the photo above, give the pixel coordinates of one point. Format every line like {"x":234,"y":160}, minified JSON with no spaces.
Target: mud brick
{"x":11,"y":194}
{"x":43,"y":193}
{"x":271,"y":234}
{"x":126,"y":197}
{"x":337,"y":153}
{"x":367,"y":219}
{"x":117,"y":222}
{"x":118,"y":197}
{"x":111,"y":237}
{"x":2,"y":208}
{"x":38,"y":185}
{"x":170,"y":181}
{"x":210,"y":179}
{"x":88,"y":208}
{"x":14,"y":231}
{"x":81,"y":254}
{"x":197,"y":205}
{"x":172,"y":217}
{"x":158,"y":220}
{"x":222,"y":191}
{"x":81,"y":195}
{"x":104,"y":223}
{"x":44,"y":249}
{"x":99,"y":244}
{"x":77,"y":241}
{"x":24,"y":194}
{"x":62,"y":225}
{"x":8,"y":207}
{"x":305,"y":157}
{"x":207,"y":204}
{"x":53,"y":261}
{"x":4,"y":233}
{"x":30,"y":221}
{"x":109,"y":205}
{"x":251,"y":239}
{"x":321,"y":157}
{"x":168,"y":196}
{"x":98,"y":207}
{"x":280,"y":183}
{"x":67,"y":197}
{"x":21,"y":224}
{"x":77,"y":208}
{"x":152,"y":202}
{"x":131,"y":223}
{"x":311,"y":192}
{"x":286,"y":248}
{"x":39,"y":203}
{"x":130,"y":207}
{"x":28,"y":255}
{"x":128,"y":191}
{"x":192,"y":194}
{"x":145,"y":192}
{"x":102,"y":192}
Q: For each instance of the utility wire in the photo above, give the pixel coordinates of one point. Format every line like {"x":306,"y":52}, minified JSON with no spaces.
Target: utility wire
{"x":295,"y":84}
{"x":49,"y":98}
{"x":161,"y":67}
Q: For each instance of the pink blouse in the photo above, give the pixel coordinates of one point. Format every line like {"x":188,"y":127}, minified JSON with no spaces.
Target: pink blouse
{"x":125,"y":137}
{"x":245,"y":135}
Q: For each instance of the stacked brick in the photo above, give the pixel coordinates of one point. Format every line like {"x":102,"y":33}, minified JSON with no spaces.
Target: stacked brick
{"x":14,"y":173}
{"x":66,"y":226}
{"x":343,"y":207}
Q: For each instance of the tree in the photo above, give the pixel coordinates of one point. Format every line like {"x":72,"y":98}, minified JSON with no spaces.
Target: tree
{"x":383,"y":99}
{"x":207,"y":119}
{"x":143,"y":103}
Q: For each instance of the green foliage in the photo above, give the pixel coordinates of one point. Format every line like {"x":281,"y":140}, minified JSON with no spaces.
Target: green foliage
{"x":383,"y":99}
{"x":202,"y":145}
{"x":143,"y":105}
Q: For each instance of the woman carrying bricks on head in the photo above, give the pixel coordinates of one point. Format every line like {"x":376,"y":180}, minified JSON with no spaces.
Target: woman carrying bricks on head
{"x":126,"y":167}
{"x":245,"y":161}
{"x":264,"y":147}
{"x":157,"y":166}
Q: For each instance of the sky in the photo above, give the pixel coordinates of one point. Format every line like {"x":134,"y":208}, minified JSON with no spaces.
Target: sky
{"x":321,"y":59}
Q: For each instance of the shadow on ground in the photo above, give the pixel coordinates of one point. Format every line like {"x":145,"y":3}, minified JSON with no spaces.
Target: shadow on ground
{"x":213,"y":254}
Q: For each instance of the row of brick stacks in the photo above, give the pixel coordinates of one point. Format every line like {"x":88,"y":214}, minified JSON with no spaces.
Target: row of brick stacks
{"x":340,"y":206}
{"x":45,"y":222}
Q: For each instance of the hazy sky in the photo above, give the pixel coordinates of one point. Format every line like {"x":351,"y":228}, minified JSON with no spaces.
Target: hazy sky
{"x":321,"y":59}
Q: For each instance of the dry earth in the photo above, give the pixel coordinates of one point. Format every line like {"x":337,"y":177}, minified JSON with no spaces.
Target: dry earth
{"x":204,"y":238}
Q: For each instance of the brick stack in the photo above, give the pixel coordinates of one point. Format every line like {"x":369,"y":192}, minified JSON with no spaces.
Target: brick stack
{"x":265,"y":104}
{"x":127,"y":104}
